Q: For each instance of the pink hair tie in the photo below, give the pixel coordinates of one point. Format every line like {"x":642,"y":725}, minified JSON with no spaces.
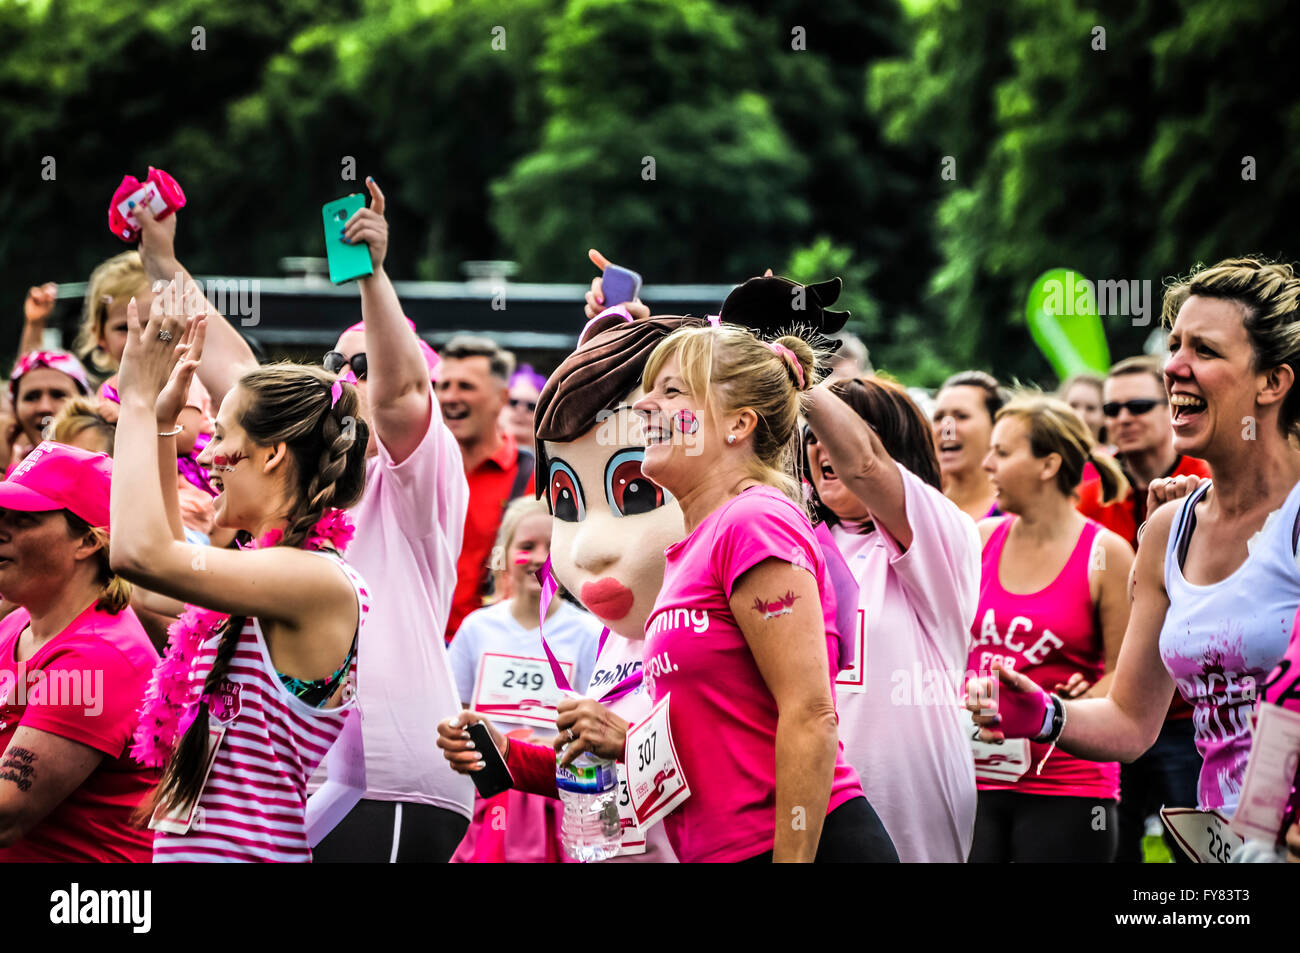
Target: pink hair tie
{"x":336,"y":391}
{"x":788,"y":356}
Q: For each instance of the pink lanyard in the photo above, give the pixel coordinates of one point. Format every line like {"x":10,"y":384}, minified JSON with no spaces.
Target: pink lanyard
{"x":549,"y":588}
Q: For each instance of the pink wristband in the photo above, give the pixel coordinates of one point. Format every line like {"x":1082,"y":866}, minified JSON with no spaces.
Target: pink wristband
{"x":1022,"y":714}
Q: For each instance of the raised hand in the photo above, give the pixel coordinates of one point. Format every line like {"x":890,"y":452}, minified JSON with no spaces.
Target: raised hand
{"x":175,"y":394}
{"x":152,"y":350}
{"x":40,"y":301}
{"x":369,"y":225}
{"x":595,"y":298}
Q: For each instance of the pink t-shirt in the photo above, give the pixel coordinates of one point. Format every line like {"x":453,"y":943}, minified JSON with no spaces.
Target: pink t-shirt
{"x":85,"y":685}
{"x":906,"y":733}
{"x":1047,"y":635}
{"x":722,"y":715}
{"x":409,"y":526}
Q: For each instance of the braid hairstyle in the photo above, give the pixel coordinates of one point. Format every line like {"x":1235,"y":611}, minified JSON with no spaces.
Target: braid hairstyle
{"x":289,"y":403}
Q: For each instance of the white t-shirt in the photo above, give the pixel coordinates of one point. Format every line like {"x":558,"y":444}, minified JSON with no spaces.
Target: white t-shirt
{"x":571,"y":633}
{"x":409,"y":528}
{"x":907,"y":734}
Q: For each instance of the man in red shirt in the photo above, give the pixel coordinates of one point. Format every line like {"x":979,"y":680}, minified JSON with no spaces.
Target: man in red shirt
{"x":1139,"y":424}
{"x":473,"y":387}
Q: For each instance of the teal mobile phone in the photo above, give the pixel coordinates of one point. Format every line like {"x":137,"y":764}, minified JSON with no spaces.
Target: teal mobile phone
{"x":346,"y":262}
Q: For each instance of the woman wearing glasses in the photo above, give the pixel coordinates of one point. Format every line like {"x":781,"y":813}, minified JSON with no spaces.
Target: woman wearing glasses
{"x":525,"y":387}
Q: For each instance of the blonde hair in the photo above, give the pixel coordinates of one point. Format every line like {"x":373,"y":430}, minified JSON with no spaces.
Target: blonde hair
{"x":119,"y":277}
{"x":732,"y":369}
{"x":79,"y":414}
{"x":519,"y":509}
{"x":115,"y":592}
{"x":1054,"y":427}
{"x":1268,"y":295}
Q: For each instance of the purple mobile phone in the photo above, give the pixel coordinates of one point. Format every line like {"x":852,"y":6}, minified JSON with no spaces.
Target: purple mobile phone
{"x":619,"y":285}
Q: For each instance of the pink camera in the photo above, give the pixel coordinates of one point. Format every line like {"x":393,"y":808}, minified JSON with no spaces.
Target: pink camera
{"x":159,"y":192}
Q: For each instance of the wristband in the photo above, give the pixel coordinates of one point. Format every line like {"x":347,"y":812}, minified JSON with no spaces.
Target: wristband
{"x":1054,"y":724}
{"x":172,"y":433}
{"x":1022,"y":714}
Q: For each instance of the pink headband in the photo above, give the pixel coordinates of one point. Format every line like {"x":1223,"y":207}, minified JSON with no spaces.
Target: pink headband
{"x":60,"y":361}
{"x":788,"y":357}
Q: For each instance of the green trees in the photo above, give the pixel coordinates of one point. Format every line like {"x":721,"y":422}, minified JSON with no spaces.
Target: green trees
{"x":939,"y":154}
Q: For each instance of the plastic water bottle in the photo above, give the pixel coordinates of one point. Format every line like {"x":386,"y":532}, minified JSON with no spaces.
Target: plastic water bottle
{"x":589,"y":789}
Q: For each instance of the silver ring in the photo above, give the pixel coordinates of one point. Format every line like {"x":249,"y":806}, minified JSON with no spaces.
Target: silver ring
{"x":164,"y":335}
{"x":572,"y":736}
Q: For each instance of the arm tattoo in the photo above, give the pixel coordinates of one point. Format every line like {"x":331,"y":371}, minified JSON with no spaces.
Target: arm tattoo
{"x":18,"y":766}
{"x":776,"y":607}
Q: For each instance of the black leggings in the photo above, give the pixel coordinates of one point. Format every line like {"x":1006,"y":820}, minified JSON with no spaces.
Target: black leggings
{"x":1011,"y":827}
{"x":851,"y":834}
{"x":425,"y":835}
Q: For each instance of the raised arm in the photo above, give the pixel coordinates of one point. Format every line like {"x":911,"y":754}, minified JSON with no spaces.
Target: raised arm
{"x":397,"y":378}
{"x":37,"y":307}
{"x":228,"y":354}
{"x":279,"y":583}
{"x":860,"y":461}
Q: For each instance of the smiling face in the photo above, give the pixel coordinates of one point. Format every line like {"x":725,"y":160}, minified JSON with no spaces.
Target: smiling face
{"x":1211,"y":378}
{"x":611,"y":523}
{"x":682,"y":435}
{"x":235,"y":468}
{"x":1144,"y":432}
{"x":471,"y":397}
{"x":961,"y":428}
{"x":41,"y":392}
{"x":518,"y":416}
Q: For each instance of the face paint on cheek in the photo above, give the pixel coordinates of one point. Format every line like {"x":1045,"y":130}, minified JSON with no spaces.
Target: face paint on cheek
{"x":522,"y":559}
{"x":224,"y":462}
{"x":686,"y":421}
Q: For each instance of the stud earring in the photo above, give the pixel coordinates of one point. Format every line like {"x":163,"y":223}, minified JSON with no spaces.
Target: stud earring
{"x":731,"y":438}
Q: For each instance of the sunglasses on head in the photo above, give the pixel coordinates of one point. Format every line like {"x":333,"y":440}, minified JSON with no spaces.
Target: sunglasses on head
{"x":335,"y":361}
{"x":518,"y":403}
{"x":1137,"y":408}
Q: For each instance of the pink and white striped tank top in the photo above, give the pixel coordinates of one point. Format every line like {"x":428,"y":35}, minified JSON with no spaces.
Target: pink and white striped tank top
{"x":253,"y":806}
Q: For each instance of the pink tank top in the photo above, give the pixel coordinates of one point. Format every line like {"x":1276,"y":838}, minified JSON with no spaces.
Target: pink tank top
{"x":1047,"y":635}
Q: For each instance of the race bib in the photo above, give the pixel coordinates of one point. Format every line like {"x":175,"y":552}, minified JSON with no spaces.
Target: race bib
{"x":656,"y":784}
{"x":1204,"y":836}
{"x":633,"y":836}
{"x":518,"y":689}
{"x":1270,"y":772}
{"x":854,"y":679}
{"x":1004,"y":762}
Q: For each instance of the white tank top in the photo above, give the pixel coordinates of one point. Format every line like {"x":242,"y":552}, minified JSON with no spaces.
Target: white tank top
{"x":1219,"y":642}
{"x":254,"y":805}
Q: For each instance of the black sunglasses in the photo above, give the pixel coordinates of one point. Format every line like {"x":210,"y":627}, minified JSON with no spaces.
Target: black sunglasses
{"x":1143,"y":405}
{"x":528,"y":405}
{"x":334,"y":362}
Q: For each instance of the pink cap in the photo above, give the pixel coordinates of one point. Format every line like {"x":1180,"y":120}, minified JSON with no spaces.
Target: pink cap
{"x":55,"y":476}
{"x":431,"y":357}
{"x":60,"y":361}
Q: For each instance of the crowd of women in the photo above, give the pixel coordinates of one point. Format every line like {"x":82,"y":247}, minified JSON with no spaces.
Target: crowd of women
{"x":865,"y":631}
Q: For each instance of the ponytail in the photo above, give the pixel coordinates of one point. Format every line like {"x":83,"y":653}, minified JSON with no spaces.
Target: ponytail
{"x":1114,"y":485}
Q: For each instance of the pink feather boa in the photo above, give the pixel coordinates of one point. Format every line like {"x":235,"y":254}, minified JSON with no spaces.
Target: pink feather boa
{"x":171,"y":702}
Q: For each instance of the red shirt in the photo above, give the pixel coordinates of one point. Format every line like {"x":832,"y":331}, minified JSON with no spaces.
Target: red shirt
{"x":85,"y":685}
{"x":489,"y":492}
{"x":1125,"y":516}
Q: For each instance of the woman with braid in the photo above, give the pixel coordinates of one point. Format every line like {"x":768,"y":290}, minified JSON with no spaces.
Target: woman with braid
{"x":288,"y":452}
